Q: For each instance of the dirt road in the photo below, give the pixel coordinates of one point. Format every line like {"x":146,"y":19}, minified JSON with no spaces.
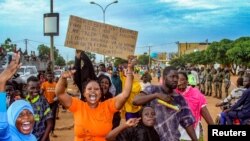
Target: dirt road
{"x":64,"y":126}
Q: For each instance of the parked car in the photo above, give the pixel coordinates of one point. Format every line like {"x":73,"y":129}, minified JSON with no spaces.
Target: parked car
{"x":57,"y":73}
{"x":27,"y":71}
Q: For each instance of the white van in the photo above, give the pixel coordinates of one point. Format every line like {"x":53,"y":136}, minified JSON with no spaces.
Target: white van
{"x":27,"y":71}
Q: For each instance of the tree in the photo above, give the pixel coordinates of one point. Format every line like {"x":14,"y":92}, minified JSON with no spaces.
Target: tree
{"x":71,"y":62}
{"x":119,"y":61}
{"x":60,"y":61}
{"x":178,"y":62}
{"x":8,"y":46}
{"x":143,"y":59}
{"x":44,"y":52}
{"x":239,"y":54}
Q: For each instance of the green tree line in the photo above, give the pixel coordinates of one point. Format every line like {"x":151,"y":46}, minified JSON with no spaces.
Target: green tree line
{"x":226,"y":52}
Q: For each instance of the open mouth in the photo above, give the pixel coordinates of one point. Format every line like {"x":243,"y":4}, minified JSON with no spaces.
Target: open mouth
{"x":92,"y":97}
{"x":27,"y":126}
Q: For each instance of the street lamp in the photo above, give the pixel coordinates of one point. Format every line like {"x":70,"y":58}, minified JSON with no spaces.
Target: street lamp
{"x":104,"y":11}
{"x":51,"y":28}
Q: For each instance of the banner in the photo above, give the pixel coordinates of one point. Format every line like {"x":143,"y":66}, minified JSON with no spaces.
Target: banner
{"x":100,"y":38}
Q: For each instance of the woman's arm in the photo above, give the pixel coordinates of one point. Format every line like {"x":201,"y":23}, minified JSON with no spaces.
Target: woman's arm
{"x":5,"y":76}
{"x":206,"y":115}
{"x":191,"y":133}
{"x":61,"y":85}
{"x":123,"y":97}
{"x":114,"y":133}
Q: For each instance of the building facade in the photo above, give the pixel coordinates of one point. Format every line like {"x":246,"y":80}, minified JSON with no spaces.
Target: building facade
{"x":186,"y":48}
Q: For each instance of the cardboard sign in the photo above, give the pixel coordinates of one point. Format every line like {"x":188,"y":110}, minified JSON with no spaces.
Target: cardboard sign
{"x":100,"y":38}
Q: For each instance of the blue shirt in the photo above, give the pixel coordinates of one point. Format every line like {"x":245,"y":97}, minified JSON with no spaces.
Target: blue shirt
{"x":243,"y":102}
{"x":8,"y":130}
{"x":168,"y":120}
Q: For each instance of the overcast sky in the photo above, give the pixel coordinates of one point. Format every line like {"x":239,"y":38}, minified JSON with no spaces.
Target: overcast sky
{"x":160,"y":23}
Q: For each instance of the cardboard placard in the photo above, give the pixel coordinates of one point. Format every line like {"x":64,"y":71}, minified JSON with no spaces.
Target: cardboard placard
{"x":100,"y":38}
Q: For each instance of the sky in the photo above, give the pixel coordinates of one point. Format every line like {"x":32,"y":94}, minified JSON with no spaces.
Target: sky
{"x":160,"y":23}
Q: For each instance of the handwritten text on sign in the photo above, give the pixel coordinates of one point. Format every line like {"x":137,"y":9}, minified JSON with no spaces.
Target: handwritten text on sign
{"x":100,"y":38}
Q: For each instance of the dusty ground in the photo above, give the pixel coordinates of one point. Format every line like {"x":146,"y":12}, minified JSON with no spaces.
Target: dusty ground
{"x":64,"y":126}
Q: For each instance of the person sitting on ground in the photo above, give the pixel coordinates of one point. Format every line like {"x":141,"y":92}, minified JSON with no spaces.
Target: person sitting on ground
{"x":130,"y":131}
{"x":93,"y":118}
{"x":17,"y":122}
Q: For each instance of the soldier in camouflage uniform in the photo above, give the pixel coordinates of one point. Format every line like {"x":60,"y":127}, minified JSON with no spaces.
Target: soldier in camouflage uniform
{"x":218,"y":79}
{"x":227,"y":81}
{"x":202,"y":77}
{"x":216,"y":83}
{"x":209,"y":78}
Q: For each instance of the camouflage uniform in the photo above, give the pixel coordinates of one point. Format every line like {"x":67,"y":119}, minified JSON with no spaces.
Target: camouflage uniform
{"x":209,"y":78}
{"x":202,"y":81}
{"x":216,"y":84}
{"x":227,"y":82}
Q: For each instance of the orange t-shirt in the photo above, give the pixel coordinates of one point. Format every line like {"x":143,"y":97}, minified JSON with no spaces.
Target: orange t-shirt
{"x":92,"y":124}
{"x":49,"y":91}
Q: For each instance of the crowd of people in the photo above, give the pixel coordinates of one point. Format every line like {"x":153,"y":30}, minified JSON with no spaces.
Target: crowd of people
{"x":115,"y":105}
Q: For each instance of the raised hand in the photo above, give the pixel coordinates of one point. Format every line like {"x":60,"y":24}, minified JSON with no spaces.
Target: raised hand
{"x":11,"y":69}
{"x":68,"y":74}
{"x":78,"y":54}
{"x":132,"y":122}
{"x":131,"y":60}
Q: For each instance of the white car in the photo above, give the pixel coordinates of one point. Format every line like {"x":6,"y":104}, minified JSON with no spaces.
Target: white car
{"x":57,"y":73}
{"x":27,"y":71}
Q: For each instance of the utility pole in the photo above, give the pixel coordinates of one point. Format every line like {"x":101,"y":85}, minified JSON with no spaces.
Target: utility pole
{"x":149,"y":59}
{"x":26,"y":46}
{"x":52,"y":59}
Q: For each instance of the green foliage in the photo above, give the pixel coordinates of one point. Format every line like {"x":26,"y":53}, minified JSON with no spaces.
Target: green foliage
{"x":225,"y":52}
{"x":119,"y":61}
{"x":44,"y":51}
{"x":143,"y":60}
{"x":240,"y":53}
{"x":178,"y":61}
{"x":71,"y":62}
{"x":8,"y":46}
{"x":60,"y":61}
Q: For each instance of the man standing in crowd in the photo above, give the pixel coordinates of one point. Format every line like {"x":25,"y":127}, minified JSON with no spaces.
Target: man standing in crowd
{"x":42,"y":112}
{"x":167,"y":119}
{"x":48,"y":91}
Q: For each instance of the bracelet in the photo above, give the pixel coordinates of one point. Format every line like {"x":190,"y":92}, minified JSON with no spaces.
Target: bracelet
{"x":129,"y":73}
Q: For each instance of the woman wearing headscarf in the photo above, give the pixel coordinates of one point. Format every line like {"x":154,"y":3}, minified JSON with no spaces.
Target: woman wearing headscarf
{"x":17,"y":122}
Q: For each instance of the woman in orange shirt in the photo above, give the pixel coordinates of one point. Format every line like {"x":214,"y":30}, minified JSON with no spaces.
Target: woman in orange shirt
{"x":93,"y":118}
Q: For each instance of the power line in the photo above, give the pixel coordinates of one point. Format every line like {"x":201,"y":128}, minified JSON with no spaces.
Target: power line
{"x":159,"y":45}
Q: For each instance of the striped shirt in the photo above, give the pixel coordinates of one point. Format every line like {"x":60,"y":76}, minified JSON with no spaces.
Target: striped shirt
{"x":168,"y":120}
{"x":42,"y":113}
